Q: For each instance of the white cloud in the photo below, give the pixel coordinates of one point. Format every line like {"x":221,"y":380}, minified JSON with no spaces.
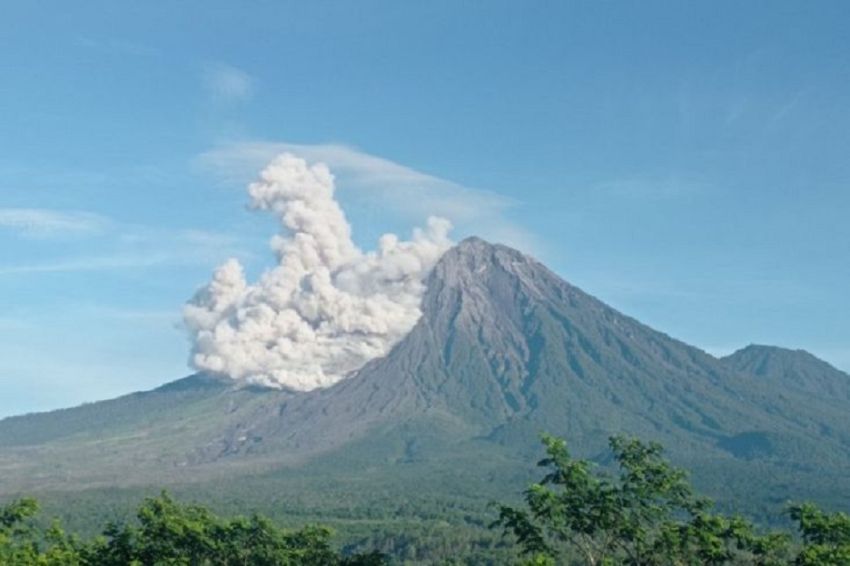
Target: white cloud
{"x":326,"y":307}
{"x":226,"y":83}
{"x":49,"y":223}
{"x":384,"y":183}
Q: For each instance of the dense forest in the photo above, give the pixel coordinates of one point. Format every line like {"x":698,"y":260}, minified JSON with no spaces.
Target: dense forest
{"x":167,"y":532}
{"x":647,"y":514}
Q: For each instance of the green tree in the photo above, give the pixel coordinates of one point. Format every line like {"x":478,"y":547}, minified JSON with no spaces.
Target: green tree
{"x":826,"y":537}
{"x":167,"y":533}
{"x":648,"y":515}
{"x":23,"y":543}
{"x":16,"y":545}
{"x":172,"y":534}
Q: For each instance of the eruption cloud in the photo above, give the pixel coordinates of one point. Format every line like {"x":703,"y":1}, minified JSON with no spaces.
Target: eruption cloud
{"x":327,"y":307}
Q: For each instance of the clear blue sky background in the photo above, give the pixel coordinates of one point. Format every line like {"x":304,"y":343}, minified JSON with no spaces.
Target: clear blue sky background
{"x":687,"y":162}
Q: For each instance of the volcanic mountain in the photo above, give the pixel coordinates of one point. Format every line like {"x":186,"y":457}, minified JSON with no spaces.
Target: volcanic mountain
{"x":505,"y":349}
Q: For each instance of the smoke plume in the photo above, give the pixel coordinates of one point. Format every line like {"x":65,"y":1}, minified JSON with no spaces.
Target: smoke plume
{"x":327,"y":307}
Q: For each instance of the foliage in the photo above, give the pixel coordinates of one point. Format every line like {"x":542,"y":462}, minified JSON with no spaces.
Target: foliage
{"x":169,"y":533}
{"x":826,"y":536}
{"x":649,"y":515}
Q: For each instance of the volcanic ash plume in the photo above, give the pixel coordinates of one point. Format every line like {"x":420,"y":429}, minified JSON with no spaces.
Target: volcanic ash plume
{"x":327,"y":307}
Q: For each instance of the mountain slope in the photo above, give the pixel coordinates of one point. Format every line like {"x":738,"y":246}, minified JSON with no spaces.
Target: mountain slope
{"x":125,"y":412}
{"x":504,"y":349}
{"x":791,"y":369}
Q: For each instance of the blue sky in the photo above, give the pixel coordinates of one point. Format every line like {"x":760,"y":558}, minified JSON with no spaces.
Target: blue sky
{"x":685,"y":162}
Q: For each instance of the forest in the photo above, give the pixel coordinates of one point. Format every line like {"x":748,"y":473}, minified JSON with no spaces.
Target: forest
{"x":645,"y":514}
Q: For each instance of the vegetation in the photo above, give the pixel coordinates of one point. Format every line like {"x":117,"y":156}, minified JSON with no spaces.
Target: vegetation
{"x":649,"y":515}
{"x":168,"y":533}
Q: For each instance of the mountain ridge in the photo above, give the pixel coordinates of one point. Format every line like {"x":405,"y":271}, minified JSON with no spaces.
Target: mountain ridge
{"x":793,"y":368}
{"x":504,"y":349}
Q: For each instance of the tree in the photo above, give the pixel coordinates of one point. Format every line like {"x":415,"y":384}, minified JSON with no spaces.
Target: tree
{"x":175,"y":534}
{"x":23,"y":543}
{"x":168,"y":533}
{"x":648,"y":515}
{"x":826,"y":537}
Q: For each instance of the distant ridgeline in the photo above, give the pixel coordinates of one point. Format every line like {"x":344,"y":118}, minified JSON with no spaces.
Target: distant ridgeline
{"x":416,"y":443}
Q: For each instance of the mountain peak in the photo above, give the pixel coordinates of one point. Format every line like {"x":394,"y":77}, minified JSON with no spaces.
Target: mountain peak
{"x":473,"y":256}
{"x":797,"y":369}
{"x":503,"y":350}
{"x":768,"y":349}
{"x":478,"y":247}
{"x":763,"y":352}
{"x":473,"y":241}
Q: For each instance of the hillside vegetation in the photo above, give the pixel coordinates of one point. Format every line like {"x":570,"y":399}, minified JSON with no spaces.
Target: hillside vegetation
{"x":648,"y":515}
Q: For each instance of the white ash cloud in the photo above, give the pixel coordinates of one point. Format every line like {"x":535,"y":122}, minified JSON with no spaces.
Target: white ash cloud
{"x":327,"y":307}
{"x":367,"y":178}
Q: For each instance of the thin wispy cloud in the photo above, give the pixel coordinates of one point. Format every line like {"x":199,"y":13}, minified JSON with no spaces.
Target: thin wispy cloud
{"x":382,"y":182}
{"x":788,"y":106}
{"x":226,"y":83}
{"x":164,"y":317}
{"x":110,"y":245}
{"x":89,"y":263}
{"x":49,"y":223}
{"x":184,"y":253}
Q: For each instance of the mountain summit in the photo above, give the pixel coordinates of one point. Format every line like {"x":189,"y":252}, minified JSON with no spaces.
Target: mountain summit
{"x":504,"y":349}
{"x":791,"y":369}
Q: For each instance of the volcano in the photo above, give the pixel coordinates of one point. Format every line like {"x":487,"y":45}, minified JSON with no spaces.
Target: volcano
{"x":504,"y":350}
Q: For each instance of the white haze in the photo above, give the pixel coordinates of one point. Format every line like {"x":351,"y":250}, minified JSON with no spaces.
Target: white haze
{"x":327,"y":307}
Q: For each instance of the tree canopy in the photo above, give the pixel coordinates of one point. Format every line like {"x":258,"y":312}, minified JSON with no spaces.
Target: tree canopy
{"x":169,"y":533}
{"x":649,"y":515}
